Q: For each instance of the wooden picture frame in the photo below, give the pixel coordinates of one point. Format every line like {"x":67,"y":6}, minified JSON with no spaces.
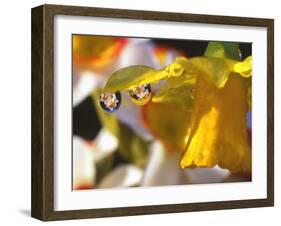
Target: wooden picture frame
{"x":43,"y":110}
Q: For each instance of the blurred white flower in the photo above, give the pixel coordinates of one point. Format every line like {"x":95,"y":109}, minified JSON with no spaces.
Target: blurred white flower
{"x":126,"y":175}
{"x":84,"y":170}
{"x":85,"y":156}
{"x":85,"y":83}
{"x":104,"y":144}
{"x":163,"y":169}
{"x":137,"y":53}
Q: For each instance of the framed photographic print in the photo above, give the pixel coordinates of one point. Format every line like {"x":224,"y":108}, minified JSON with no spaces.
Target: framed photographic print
{"x":141,"y":112}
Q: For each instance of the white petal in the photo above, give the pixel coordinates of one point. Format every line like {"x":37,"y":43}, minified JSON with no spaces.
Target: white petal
{"x":163,"y":167}
{"x":105,"y":144}
{"x":85,"y":84}
{"x":122,"y":176}
{"x":206,"y":175}
{"x":83,"y":164}
{"x":137,"y":53}
{"x":138,"y":40}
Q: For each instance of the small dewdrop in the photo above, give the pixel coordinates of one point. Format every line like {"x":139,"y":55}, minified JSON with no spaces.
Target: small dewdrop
{"x":110,"y":102}
{"x":239,"y":53}
{"x":140,"y":95}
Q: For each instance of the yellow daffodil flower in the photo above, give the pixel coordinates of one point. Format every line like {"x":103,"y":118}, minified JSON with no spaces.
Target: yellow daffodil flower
{"x":212,"y":91}
{"x":218,"y":132}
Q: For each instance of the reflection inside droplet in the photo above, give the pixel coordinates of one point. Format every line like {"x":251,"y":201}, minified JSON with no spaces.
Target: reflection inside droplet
{"x":110,"y":102}
{"x":141,"y":94}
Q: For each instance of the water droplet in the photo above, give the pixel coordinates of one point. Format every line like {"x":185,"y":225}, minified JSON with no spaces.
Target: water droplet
{"x":140,"y":95}
{"x":110,"y":102}
{"x":239,"y":53}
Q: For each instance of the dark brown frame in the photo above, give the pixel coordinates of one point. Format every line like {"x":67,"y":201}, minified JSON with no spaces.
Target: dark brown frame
{"x":42,"y":202}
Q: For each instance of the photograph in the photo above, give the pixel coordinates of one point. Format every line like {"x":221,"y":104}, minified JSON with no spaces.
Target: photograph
{"x":160,"y":112}
{"x":147,"y":112}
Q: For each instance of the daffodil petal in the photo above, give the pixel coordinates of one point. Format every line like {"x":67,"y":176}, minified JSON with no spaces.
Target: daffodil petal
{"x":126,"y":175}
{"x":244,"y":68}
{"x":218,"y":132}
{"x":249,"y":95}
{"x":168,"y":122}
{"x":181,"y":95}
{"x":215,"y":70}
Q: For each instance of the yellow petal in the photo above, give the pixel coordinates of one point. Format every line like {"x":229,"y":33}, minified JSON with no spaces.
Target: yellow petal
{"x":244,"y":68}
{"x":215,"y":70}
{"x":218,"y":132}
{"x":249,"y":94}
{"x":181,"y":95}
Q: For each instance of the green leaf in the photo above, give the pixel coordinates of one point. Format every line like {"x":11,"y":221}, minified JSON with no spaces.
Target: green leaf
{"x":132,"y":147}
{"x":139,"y":149}
{"x":228,"y":50}
{"x":128,"y":77}
{"x":103,"y":167}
